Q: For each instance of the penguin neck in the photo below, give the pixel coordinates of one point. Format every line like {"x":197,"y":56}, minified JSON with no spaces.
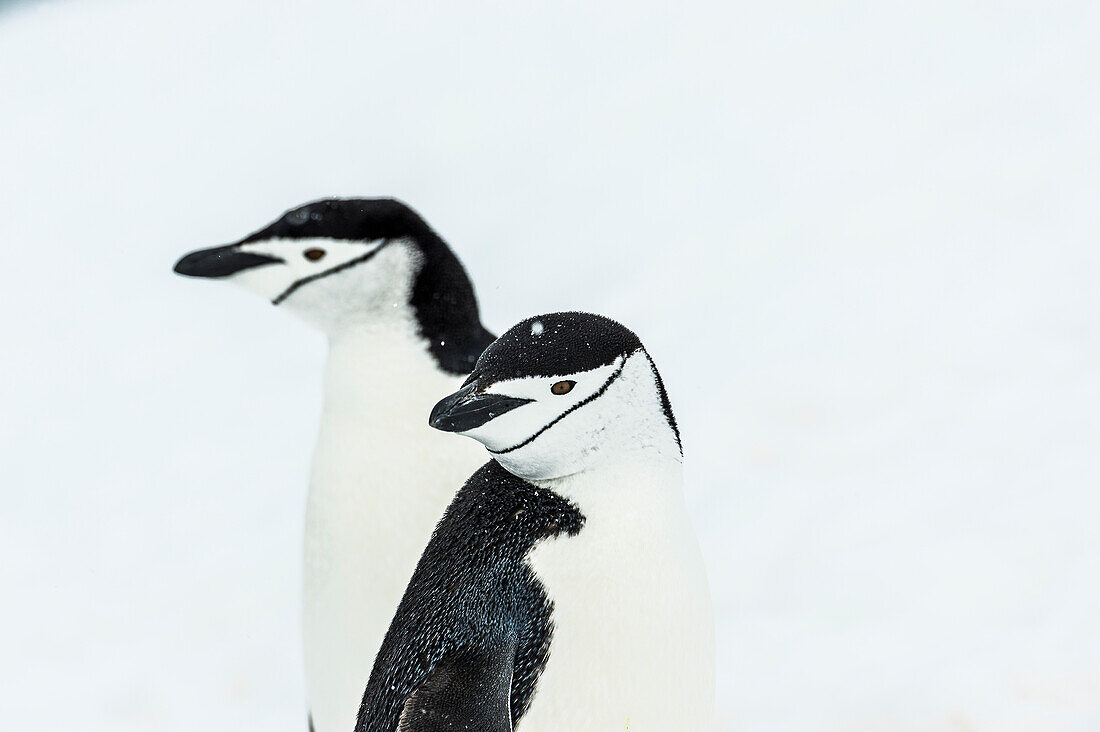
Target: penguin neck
{"x":375,"y":369}
{"x":614,"y":488}
{"x":381,"y":380}
{"x":374,"y":441}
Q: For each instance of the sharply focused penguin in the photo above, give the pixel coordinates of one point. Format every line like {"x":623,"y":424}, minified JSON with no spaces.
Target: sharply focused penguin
{"x":403,"y":326}
{"x":563,"y":589}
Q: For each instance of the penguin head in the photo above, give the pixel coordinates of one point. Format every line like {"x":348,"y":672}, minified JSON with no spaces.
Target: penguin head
{"x":559,"y":393}
{"x":339,"y":261}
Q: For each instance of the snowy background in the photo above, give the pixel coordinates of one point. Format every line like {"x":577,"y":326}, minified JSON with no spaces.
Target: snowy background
{"x":860,"y":239}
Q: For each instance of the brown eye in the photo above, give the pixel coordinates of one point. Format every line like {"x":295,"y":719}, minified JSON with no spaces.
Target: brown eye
{"x":313,"y":254}
{"x":563,"y":387}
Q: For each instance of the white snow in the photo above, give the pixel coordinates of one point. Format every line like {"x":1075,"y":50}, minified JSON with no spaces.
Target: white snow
{"x":860,"y":241}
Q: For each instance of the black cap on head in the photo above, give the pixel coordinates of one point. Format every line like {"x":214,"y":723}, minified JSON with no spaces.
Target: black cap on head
{"x":357,"y":219}
{"x":555,"y":344}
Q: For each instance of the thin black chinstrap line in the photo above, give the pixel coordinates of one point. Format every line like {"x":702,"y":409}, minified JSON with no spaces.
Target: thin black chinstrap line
{"x":339,"y":268}
{"x":599,"y":392}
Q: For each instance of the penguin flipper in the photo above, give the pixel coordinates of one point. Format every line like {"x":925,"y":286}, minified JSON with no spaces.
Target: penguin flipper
{"x":464,"y":691}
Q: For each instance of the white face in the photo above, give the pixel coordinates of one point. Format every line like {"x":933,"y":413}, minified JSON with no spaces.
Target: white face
{"x":305,"y":261}
{"x":553,"y":398}
{"x":331,"y":283}
{"x":566,"y":424}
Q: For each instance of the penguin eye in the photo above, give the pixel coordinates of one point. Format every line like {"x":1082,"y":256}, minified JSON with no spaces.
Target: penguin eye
{"x":562,"y":387}
{"x":314,"y":254}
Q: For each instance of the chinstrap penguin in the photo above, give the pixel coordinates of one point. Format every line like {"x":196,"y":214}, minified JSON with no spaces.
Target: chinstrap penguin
{"x":403,"y":326}
{"x":563,"y":589}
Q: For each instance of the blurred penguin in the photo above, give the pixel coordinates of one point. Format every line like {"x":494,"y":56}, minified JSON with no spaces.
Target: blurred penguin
{"x":403,"y":326}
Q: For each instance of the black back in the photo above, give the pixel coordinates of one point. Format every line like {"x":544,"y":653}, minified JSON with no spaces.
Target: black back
{"x":472,"y":633}
{"x":442,"y":297}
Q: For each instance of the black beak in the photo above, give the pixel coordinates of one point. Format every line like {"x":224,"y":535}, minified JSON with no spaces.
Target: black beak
{"x":220,"y":262}
{"x":465,"y":410}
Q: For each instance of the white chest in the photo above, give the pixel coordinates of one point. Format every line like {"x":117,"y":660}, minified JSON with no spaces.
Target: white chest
{"x":633,"y":643}
{"x":381,"y":479}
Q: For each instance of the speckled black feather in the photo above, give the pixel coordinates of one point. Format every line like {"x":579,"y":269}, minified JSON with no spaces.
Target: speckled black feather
{"x":442,"y":298}
{"x":555,"y":344}
{"x":473,"y":609}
